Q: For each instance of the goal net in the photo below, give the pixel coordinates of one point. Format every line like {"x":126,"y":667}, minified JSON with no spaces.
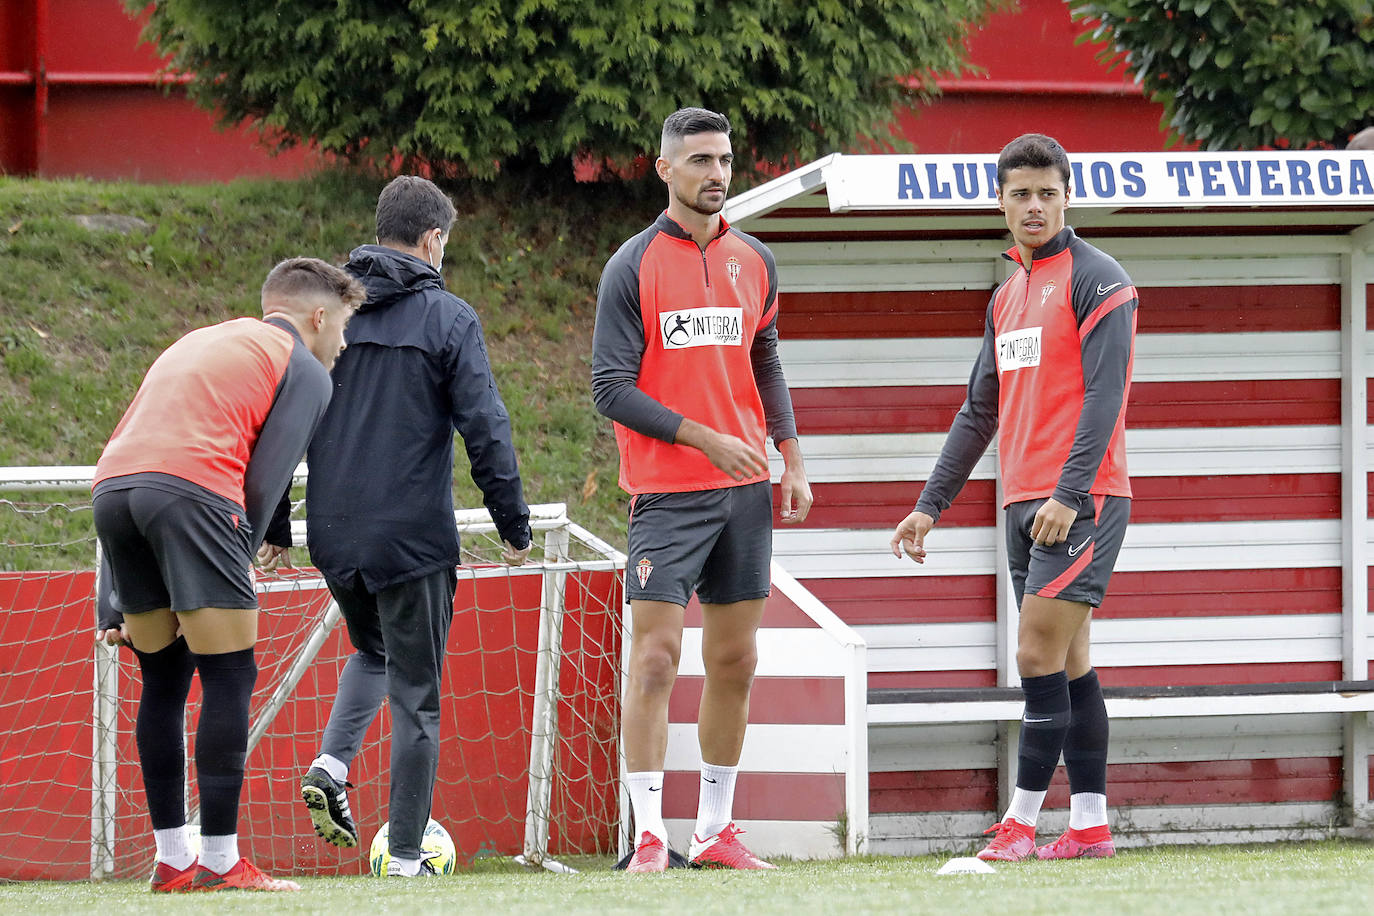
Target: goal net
{"x":529,"y":760}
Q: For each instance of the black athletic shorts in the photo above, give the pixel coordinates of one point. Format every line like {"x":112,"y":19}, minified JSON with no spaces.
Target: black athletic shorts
{"x":1077,"y":568}
{"x":170,"y":551}
{"x":716,"y":542}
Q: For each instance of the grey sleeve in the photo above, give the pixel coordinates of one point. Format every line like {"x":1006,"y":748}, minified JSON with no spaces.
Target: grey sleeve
{"x":970,"y":433}
{"x":480,"y":417}
{"x":1106,"y":357}
{"x":772,"y":385}
{"x":302,"y":395}
{"x":617,"y":349}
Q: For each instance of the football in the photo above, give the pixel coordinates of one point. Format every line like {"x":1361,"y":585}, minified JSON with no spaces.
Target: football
{"x":436,"y":848}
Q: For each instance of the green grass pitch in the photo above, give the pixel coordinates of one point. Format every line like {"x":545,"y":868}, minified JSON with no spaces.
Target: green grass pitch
{"x":1330,"y":878}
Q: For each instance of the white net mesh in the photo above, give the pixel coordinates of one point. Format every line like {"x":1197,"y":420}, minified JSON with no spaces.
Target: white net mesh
{"x":49,"y":749}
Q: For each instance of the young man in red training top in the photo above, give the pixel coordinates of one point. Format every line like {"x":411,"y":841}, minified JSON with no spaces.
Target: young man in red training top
{"x":184,"y":491}
{"x":1054,"y":373}
{"x":684,"y":360}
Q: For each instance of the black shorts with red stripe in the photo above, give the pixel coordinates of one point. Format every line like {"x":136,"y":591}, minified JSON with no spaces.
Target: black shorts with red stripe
{"x":1077,"y":568}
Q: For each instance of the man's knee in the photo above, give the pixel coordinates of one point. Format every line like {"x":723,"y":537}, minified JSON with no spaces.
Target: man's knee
{"x":1032,"y":660}
{"x":732,"y":666}
{"x":653,"y":665}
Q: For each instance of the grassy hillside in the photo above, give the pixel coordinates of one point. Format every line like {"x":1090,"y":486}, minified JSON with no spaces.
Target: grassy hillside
{"x":86,"y":306}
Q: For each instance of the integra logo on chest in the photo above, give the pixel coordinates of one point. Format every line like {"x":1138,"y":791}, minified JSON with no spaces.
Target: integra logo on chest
{"x":713,"y":327}
{"x":1019,"y":349}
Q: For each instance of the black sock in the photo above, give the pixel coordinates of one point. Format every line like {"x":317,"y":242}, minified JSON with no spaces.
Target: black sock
{"x":1043,"y":726}
{"x":1085,"y":745}
{"x":222,"y":737}
{"x":159,"y":731}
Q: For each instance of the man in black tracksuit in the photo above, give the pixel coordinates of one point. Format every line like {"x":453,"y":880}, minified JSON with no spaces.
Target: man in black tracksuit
{"x":380,"y":507}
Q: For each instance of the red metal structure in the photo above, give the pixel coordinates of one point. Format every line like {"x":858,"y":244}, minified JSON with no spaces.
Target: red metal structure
{"x":80,"y":95}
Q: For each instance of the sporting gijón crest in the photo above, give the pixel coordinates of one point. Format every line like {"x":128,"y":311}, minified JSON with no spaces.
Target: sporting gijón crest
{"x":643,"y":569}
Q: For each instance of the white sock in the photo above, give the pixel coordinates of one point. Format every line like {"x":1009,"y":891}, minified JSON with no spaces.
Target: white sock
{"x":336,"y":768}
{"x":646,"y":799}
{"x":174,"y":847}
{"x":408,"y":868}
{"x":1025,"y":806}
{"x":219,"y":853}
{"x":1087,"y":809}
{"x":717,"y":800}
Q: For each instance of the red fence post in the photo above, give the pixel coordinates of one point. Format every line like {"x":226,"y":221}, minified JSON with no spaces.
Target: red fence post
{"x":40,"y":83}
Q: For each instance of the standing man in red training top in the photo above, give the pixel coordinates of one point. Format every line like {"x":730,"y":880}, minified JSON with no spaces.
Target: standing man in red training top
{"x":184,"y":491}
{"x":685,"y":361}
{"x":1054,"y":372}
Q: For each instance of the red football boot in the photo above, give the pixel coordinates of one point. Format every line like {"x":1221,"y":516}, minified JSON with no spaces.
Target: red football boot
{"x":1014,"y":842}
{"x":651,"y":855}
{"x":724,"y":850}
{"x":244,"y":876}
{"x":1089,"y":843}
{"x":168,"y":880}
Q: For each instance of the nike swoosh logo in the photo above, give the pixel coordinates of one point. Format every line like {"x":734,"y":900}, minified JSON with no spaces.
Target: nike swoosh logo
{"x":1073,"y":551}
{"x":700,"y":846}
{"x":652,"y":789}
{"x":1032,"y":721}
{"x":1104,"y":290}
{"x":707,"y":779}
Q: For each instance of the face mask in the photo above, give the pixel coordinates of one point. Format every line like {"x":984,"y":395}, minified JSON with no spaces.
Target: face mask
{"x":430,"y":262}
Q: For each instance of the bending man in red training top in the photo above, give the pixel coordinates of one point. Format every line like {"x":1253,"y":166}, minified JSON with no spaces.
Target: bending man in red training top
{"x":184,"y":491}
{"x":1054,"y":372}
{"x":684,"y":360}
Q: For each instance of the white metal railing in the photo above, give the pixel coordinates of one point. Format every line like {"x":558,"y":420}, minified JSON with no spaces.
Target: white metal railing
{"x":855,"y":651}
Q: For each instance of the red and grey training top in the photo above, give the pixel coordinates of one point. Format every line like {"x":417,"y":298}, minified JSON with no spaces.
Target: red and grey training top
{"x":683,"y":331}
{"x":1054,"y":372}
{"x":227,"y":410}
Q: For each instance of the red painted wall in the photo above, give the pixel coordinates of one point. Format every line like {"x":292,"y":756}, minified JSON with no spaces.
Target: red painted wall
{"x":105,"y":118}
{"x":1036,"y":79}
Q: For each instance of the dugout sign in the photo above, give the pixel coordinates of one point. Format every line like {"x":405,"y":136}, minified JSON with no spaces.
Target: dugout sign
{"x":1321,"y":178}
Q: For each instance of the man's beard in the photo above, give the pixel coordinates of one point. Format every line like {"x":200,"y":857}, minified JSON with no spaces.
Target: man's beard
{"x":704,"y":209}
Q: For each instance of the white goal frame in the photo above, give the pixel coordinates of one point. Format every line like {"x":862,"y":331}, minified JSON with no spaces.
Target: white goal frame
{"x":559,"y":532}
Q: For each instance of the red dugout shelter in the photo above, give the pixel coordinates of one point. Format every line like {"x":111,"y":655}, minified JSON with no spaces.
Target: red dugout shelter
{"x":1235,"y":642}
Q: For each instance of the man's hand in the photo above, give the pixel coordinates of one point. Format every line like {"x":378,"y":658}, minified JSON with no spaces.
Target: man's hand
{"x":728,"y":453}
{"x":736,"y":457}
{"x":910,"y":536}
{"x":113,"y":637}
{"x":515,"y":557}
{"x":796,"y":492}
{"x":796,"y":497}
{"x":1052,"y":523}
{"x":271,"y":557}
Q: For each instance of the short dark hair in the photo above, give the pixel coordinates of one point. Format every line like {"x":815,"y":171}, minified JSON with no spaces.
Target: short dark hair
{"x":1032,"y":151}
{"x":687,"y":121}
{"x":1363,"y":140}
{"x":299,"y":278}
{"x":408,"y":207}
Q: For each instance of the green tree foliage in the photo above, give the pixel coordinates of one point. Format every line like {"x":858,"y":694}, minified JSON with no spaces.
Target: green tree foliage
{"x":496,"y":86}
{"x":1243,"y":74}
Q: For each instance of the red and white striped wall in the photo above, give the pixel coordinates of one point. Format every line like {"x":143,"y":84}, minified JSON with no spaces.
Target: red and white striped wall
{"x":803,"y":783}
{"x":1237,"y":567}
